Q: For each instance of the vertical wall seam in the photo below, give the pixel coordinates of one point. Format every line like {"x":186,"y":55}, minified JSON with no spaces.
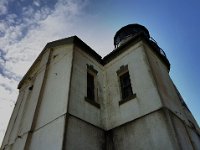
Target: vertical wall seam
{"x":190,"y":138}
{"x":68,"y":103}
{"x":36,"y":113}
{"x":27,"y":98}
{"x":15,"y":117}
{"x":3,"y":146}
{"x":167,"y":113}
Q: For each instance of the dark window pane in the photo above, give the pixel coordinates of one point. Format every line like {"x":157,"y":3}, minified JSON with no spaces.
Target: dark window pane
{"x":125,"y":80}
{"x":90,"y":86}
{"x":125,"y":85}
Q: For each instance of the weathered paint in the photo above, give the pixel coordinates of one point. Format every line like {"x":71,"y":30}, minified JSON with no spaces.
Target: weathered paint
{"x":78,"y":90}
{"x":182,"y":135}
{"x":13,"y":118}
{"x":57,"y":86}
{"x":31,"y":105}
{"x":194,"y":138}
{"x":165,"y":85}
{"x":170,"y":96}
{"x":148,"y":132}
{"x":147,"y":98}
{"x":82,"y":135}
{"x":37,"y":80}
{"x":49,"y":137}
{"x":20,"y":143}
{"x":15,"y":130}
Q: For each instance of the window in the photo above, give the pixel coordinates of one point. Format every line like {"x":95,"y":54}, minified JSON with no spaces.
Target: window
{"x":90,"y":86}
{"x":125,"y":84}
{"x":92,"y":90}
{"x":126,"y":90}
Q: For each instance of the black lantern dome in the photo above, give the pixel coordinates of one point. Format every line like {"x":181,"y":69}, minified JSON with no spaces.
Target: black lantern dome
{"x":132,"y":30}
{"x":127,"y":32}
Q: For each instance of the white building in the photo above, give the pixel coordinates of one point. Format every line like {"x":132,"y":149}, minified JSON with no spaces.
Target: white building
{"x":72,"y":99}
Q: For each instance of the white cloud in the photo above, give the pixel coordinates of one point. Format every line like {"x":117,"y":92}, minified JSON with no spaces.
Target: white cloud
{"x":36,"y":3}
{"x":3,"y":7}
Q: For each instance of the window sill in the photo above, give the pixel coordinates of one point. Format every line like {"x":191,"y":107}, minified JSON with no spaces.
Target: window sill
{"x":127,"y":99}
{"x":92,"y":102}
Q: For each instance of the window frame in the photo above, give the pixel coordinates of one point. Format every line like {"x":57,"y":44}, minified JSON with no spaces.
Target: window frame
{"x":93,"y":101}
{"x":125,"y":85}
{"x":120,"y":73}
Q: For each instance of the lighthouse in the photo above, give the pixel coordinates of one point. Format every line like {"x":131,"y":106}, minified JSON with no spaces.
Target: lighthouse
{"x":73,"y":99}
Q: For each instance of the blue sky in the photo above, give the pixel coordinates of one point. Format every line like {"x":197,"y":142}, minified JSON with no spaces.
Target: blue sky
{"x":27,"y":25}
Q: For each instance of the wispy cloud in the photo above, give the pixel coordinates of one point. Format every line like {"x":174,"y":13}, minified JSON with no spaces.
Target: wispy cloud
{"x":3,"y":7}
{"x":36,"y":3}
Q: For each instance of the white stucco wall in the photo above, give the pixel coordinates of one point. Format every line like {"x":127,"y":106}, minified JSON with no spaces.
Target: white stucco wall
{"x":78,"y":90}
{"x":55,"y":96}
{"x":194,"y":138}
{"x":19,"y":143}
{"x":147,"y":133}
{"x":166,"y":89}
{"x":49,"y":137}
{"x":83,"y":136}
{"x":13,"y":118}
{"x":182,"y":135}
{"x":32,"y":99}
{"x":147,"y":98}
{"x":54,"y":102}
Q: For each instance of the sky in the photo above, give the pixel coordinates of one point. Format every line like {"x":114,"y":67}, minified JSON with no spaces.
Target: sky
{"x":26,"y":26}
